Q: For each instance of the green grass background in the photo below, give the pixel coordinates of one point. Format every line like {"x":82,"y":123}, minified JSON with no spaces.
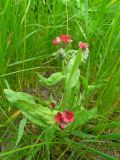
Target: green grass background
{"x":27,"y":28}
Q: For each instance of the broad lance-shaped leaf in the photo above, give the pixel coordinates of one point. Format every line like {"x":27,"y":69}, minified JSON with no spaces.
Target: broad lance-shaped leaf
{"x":53,"y":79}
{"x":74,"y":64}
{"x":72,"y":88}
{"x":74,"y":79}
{"x":13,"y":96}
{"x":73,"y":72}
{"x":38,"y":114}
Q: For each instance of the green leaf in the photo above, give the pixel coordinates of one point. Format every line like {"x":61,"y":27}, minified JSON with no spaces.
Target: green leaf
{"x":72,"y":84}
{"x":74,"y":79}
{"x":38,"y":114}
{"x":84,"y":116}
{"x":52,"y":80}
{"x":91,"y":113}
{"x":110,"y":125}
{"x":84,"y":81}
{"x":102,"y":154}
{"x":112,"y":136}
{"x":6,"y":83}
{"x":82,"y":134}
{"x":49,"y":135}
{"x":21,"y":130}
{"x":13,"y":96}
{"x":74,"y":64}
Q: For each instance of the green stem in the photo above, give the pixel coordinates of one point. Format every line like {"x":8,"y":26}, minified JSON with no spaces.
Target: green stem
{"x":25,"y":23}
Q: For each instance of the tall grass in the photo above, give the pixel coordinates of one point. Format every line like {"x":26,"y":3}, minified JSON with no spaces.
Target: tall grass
{"x":27,"y":28}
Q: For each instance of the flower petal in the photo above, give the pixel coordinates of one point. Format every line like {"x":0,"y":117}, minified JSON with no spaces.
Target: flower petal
{"x":58,"y":118}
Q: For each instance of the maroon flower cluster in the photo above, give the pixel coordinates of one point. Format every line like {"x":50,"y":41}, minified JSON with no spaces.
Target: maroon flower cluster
{"x":64,"y":38}
{"x":64,"y":118}
{"x":83,"y":45}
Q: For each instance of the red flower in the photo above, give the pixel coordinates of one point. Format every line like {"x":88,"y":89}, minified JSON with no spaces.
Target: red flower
{"x":56,"y":41}
{"x":58,"y":118}
{"x":65,"y":38}
{"x":52,"y":105}
{"x":63,"y":118}
{"x":68,"y":116}
{"x":83,"y":45}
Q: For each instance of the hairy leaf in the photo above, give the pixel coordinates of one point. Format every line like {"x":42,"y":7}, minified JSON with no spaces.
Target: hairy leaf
{"x":52,"y":80}
{"x":37,"y":113}
{"x":13,"y":96}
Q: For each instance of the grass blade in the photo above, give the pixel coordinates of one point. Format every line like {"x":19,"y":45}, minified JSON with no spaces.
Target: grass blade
{"x":21,"y":130}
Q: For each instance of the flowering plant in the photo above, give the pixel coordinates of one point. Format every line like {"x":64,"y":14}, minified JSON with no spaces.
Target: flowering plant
{"x":69,"y":111}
